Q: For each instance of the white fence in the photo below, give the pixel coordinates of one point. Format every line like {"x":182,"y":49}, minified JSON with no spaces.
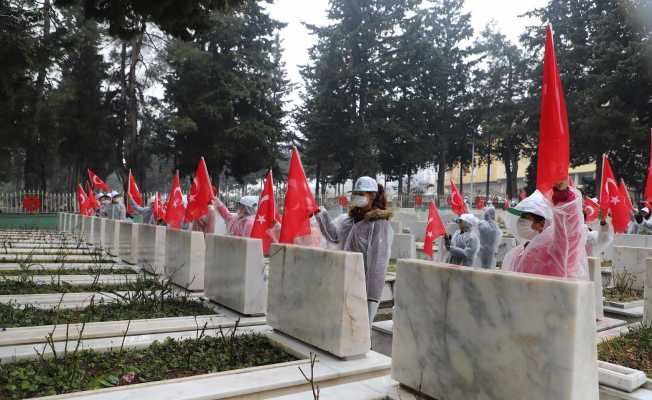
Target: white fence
{"x":37,"y":202}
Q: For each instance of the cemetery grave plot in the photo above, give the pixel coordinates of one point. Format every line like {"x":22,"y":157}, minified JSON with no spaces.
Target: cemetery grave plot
{"x":621,"y":287}
{"x":632,"y":349}
{"x":79,"y":370}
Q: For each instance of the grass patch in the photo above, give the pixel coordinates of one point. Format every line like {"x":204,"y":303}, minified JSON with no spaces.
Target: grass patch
{"x":391,"y":267}
{"x":613,"y":294}
{"x":632,"y":350}
{"x":19,"y":260}
{"x":87,"y":369}
{"x":69,"y":271}
{"x":31,"y":287}
{"x":12,"y":316}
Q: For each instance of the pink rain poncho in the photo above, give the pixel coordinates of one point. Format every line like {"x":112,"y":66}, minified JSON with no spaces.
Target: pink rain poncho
{"x":560,"y":250}
{"x":235,"y":224}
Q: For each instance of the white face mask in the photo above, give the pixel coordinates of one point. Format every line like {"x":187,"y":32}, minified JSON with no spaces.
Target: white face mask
{"x":359,"y":201}
{"x":524,"y":229}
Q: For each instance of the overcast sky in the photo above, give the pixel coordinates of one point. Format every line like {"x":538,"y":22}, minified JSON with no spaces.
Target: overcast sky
{"x":297,"y":41}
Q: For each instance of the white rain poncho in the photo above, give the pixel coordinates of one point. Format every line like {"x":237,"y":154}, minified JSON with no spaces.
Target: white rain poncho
{"x":371,"y":236}
{"x":489,"y":235}
{"x":146,"y":212}
{"x":598,"y":240}
{"x":464,"y":245}
{"x":560,"y":250}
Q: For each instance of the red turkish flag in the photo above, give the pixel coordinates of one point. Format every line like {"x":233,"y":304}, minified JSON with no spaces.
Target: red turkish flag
{"x":554,"y":136}
{"x":97,"y":182}
{"x":175,"y":210}
{"x":201,"y":193}
{"x":434,"y":229}
{"x":81,"y":199}
{"x":92,"y":204}
{"x":267,"y":215}
{"x":343,"y":201}
{"x":506,"y":204}
{"x":418,"y":201}
{"x":133,"y":190}
{"x":625,"y":191}
{"x":299,"y":205}
{"x":591,"y":209}
{"x":613,"y":199}
{"x":648,"y":183}
{"x":456,"y":201}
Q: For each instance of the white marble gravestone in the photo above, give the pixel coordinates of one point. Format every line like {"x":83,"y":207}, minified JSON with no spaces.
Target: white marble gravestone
{"x":632,"y":260}
{"x":467,"y":333}
{"x":99,"y":231}
{"x":128,"y":241}
{"x":151,"y":252}
{"x":403,"y":246}
{"x":185,"y":253}
{"x":647,"y":294}
{"x":88,"y":227}
{"x":235,"y":274}
{"x":112,"y":236}
{"x":319,"y":296}
{"x":595,"y":274}
{"x":622,"y":239}
{"x":60,"y":222}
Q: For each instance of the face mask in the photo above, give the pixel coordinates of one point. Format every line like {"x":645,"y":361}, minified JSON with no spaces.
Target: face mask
{"x":359,"y":201}
{"x":106,"y":201}
{"x":524,"y":229}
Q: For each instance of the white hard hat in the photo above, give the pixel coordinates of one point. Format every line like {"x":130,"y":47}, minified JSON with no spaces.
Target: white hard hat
{"x":365,"y":184}
{"x":468,"y":218}
{"x":535,"y":204}
{"x":645,"y":210}
{"x":249,"y":201}
{"x":113,"y":194}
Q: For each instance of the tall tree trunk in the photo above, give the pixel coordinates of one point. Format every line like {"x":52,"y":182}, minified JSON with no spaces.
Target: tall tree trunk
{"x":488,"y":175}
{"x":441,"y":173}
{"x":34,"y":167}
{"x":409,"y":183}
{"x":462,"y":179}
{"x":598,"y":174}
{"x":132,"y":102}
{"x":317,"y":180}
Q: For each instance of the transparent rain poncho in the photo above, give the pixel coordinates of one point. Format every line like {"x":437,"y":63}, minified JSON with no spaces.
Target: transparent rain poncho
{"x":239,"y":225}
{"x":371,"y":236}
{"x":597,"y":240}
{"x":560,"y":250}
{"x":489,"y":235}
{"x":464,"y":245}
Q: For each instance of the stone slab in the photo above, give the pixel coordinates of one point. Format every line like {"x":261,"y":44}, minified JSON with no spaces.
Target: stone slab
{"x":88,"y":229}
{"x":466,"y":333}
{"x":595,"y":274}
{"x":319,"y":296}
{"x":66,"y":265}
{"x":381,"y":337}
{"x":403,"y":246}
{"x":632,"y":260}
{"x":185,"y":254}
{"x":635,"y":312}
{"x":128,"y":242}
{"x":151,"y":254}
{"x":647,"y":294}
{"x":112,"y":238}
{"x":99,"y":231}
{"x":619,"y":377}
{"x":236,"y":276}
{"x":609,"y":323}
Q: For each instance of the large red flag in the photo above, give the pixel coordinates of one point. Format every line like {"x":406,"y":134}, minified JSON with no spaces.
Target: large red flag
{"x":554,"y":136}
{"x":434,"y":229}
{"x":201,"y":193}
{"x":267,"y":215}
{"x":91,"y":201}
{"x":81,"y":199}
{"x":625,"y":192}
{"x":175,"y":210}
{"x":133,"y":190}
{"x":613,"y":199}
{"x":591,"y":210}
{"x":456,"y":200}
{"x":97,"y":182}
{"x":648,"y":183}
{"x":299,"y":203}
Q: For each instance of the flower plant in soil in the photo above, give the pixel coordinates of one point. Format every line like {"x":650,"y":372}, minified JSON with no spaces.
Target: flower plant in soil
{"x":633,"y":350}
{"x":614,"y":294}
{"x":87,"y":369}
{"x":12,"y":316}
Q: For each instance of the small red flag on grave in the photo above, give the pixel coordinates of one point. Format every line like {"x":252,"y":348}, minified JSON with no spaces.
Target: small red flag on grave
{"x":554,"y":136}
{"x":299,"y":204}
{"x":267,"y":215}
{"x":434,"y":229}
